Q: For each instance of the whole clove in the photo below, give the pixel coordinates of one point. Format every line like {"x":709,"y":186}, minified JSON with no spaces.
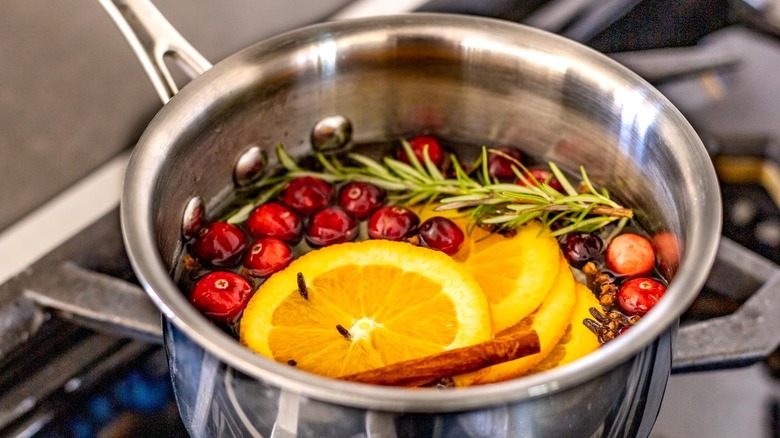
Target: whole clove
{"x":302,"y":290}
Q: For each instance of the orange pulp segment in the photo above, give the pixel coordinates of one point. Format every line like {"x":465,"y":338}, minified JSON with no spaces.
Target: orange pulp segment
{"x":369,"y":304}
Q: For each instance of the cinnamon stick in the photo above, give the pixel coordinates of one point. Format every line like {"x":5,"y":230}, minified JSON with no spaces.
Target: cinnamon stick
{"x":416,"y":372}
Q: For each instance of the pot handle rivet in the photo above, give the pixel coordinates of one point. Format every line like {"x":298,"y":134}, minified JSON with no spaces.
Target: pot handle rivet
{"x":249,"y":166}
{"x":332,"y":133}
{"x":192,"y":220}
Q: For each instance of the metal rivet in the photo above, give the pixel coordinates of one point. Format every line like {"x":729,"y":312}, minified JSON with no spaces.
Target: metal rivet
{"x":193,"y":220}
{"x":331,"y":134}
{"x":249,"y":166}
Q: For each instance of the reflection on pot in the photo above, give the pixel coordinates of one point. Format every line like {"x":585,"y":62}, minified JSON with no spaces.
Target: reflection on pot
{"x":217,"y":400}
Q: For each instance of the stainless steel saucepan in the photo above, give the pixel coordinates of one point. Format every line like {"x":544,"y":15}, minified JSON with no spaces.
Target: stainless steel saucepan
{"x":470,"y":80}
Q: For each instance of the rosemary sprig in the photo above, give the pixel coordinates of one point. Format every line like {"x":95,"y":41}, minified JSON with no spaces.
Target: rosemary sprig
{"x":487,"y":201}
{"x":274,"y":185}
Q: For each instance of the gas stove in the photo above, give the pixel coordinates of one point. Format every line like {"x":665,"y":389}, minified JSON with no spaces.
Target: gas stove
{"x":67,"y":370}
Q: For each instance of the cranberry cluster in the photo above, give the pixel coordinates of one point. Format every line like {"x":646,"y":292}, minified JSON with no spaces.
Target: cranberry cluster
{"x":311,"y":209}
{"x":630,"y":257}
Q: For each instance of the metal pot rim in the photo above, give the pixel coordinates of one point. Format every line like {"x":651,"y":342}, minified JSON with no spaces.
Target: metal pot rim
{"x":138,"y":231}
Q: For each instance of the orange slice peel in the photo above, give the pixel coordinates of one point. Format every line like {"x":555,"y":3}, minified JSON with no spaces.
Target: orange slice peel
{"x":578,"y":340}
{"x":515,"y":272}
{"x":367,"y":304}
{"x":549,"y":321}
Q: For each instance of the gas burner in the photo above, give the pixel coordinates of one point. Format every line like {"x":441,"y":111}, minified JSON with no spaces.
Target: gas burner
{"x":751,"y":203}
{"x":751,"y":197}
{"x":72,"y":381}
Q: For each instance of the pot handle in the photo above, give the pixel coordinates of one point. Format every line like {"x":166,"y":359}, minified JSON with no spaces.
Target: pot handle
{"x":749,"y":334}
{"x":153,"y":38}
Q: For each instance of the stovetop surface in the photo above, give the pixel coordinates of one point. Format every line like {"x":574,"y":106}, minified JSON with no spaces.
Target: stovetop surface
{"x":74,"y":98}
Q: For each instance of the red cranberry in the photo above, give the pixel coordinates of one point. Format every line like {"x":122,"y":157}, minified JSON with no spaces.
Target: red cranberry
{"x":542,"y":175}
{"x":418,"y":144}
{"x":219,"y":243}
{"x":221,"y":295}
{"x":579,"y":248}
{"x":329,"y":226}
{"x":630,"y":254}
{"x":450,"y":172}
{"x":360,"y":199}
{"x":266,"y":256}
{"x":306,"y":194}
{"x":638,"y":295}
{"x":500,"y":165}
{"x":441,"y":234}
{"x":275,"y":220}
{"x":392,"y":223}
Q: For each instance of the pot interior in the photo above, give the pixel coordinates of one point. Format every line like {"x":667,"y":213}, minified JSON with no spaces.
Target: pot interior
{"x":464,"y":79}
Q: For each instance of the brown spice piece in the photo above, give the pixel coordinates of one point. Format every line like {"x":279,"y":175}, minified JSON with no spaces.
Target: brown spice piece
{"x":344,"y":332}
{"x":189,"y":262}
{"x":609,"y":324}
{"x":432,"y":368}
{"x":498,"y":229}
{"x":302,"y":290}
{"x":414,"y":239}
{"x":601,"y":284}
{"x":590,"y":270}
{"x":623,"y":319}
{"x":607,"y":294}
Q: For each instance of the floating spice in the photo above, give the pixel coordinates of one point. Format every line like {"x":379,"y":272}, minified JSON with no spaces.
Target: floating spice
{"x":344,"y":332}
{"x":439,"y":366}
{"x":302,"y":286}
{"x":609,"y":322}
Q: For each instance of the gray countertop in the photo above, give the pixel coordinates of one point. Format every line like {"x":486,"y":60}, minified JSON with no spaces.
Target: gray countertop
{"x":72,"y":94}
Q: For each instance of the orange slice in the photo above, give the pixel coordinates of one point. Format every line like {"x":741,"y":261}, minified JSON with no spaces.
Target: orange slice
{"x":549,"y":321}
{"x":369,"y":304}
{"x":515,"y":272}
{"x":577,"y":341}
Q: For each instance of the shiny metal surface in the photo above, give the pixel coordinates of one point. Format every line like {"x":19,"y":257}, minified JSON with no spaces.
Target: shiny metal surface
{"x":161,"y":41}
{"x":193,"y":218}
{"x":470,"y":80}
{"x":250,"y":166}
{"x":331,"y":134}
{"x":623,"y":403}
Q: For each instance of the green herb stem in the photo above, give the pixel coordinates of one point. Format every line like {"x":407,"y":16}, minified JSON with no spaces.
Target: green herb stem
{"x":477,"y":194}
